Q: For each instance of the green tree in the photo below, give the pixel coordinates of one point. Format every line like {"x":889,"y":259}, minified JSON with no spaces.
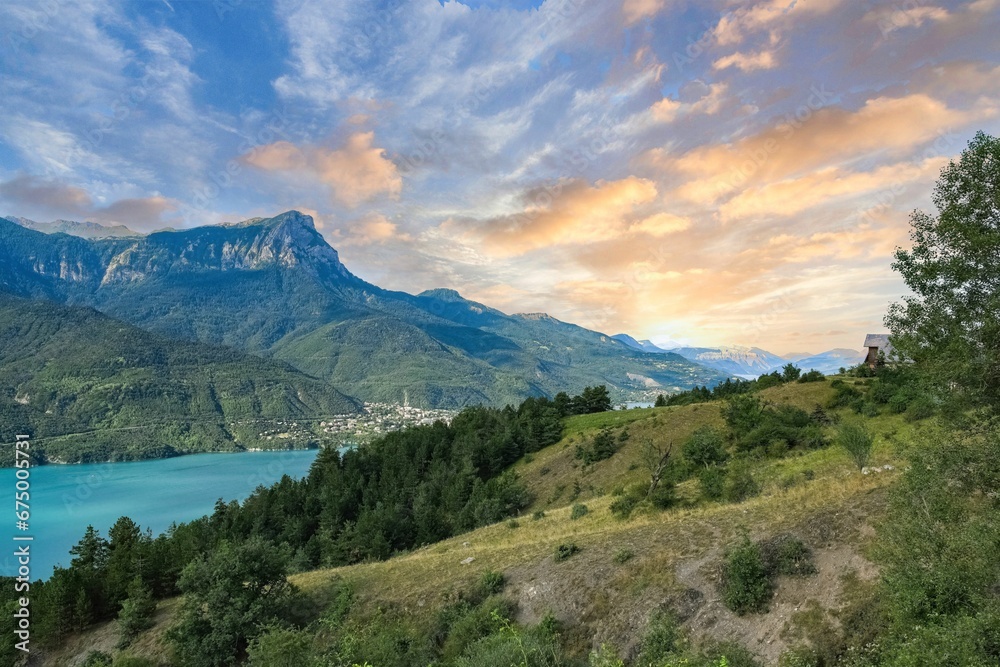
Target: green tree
{"x":136,"y":614}
{"x":228,"y":597}
{"x":661,"y":401}
{"x":950,"y":326}
{"x":790,"y":372}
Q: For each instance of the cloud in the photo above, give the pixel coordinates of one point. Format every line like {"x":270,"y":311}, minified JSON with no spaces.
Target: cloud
{"x":566,"y":214}
{"x":735,"y":26}
{"x":636,"y":10}
{"x":710,"y":102}
{"x":356,"y":172}
{"x":747,"y":62}
{"x":795,"y":195}
{"x":830,"y":136}
{"x":34,"y":196}
{"x":373,"y":229}
{"x":661,"y":224}
{"x":38,"y":193}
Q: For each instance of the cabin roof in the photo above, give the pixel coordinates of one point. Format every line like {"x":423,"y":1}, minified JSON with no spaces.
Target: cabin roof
{"x":880,"y":341}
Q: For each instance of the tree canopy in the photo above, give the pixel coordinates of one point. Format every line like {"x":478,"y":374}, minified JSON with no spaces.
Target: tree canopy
{"x":950,"y":324}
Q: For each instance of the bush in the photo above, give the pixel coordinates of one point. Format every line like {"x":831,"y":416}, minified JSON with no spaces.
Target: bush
{"x":739,"y":484}
{"x":660,"y":640}
{"x":622,"y":506}
{"x":712,"y":482}
{"x":705,"y":447}
{"x":812,"y":376}
{"x":97,"y":659}
{"x":921,"y":408}
{"x":858,"y":441}
{"x":579,"y":511}
{"x":899,"y":402}
{"x":607,"y":656}
{"x":538,"y":515}
{"x":623,"y":556}
{"x":566,"y":551}
{"x":663,"y":496}
{"x":603,"y":447}
{"x":746,"y":586}
{"x":280,"y":647}
{"x":845,"y":395}
{"x":492,"y":583}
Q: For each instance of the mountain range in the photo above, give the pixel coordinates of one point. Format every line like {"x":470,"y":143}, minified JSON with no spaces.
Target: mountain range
{"x":751,"y":362}
{"x":274,"y":287}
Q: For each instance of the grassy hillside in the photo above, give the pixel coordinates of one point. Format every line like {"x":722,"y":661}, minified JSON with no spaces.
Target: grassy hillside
{"x":626,"y":569}
{"x":90,"y":388}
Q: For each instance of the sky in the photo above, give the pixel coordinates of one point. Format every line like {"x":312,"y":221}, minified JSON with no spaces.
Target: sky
{"x":709,"y":173}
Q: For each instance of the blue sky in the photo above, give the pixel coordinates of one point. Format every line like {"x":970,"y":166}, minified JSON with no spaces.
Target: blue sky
{"x":712,"y":172}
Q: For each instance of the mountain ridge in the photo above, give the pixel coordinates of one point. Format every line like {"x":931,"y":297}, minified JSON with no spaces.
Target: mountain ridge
{"x":274,"y":286}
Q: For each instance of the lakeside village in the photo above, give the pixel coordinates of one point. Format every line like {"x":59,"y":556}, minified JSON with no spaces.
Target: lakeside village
{"x":374,"y":421}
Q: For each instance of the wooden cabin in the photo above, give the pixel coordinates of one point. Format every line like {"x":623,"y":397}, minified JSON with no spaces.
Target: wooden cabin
{"x":877,"y":343}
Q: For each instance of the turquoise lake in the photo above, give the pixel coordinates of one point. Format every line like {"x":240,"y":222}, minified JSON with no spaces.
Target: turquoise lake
{"x":154,"y":494}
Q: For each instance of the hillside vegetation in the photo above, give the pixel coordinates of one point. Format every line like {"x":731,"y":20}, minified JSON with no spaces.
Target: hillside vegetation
{"x":655,"y":561}
{"x":89,"y":388}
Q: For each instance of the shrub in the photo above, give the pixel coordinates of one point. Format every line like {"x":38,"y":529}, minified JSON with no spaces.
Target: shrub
{"x":663,"y":496}
{"x":538,"y":515}
{"x":623,"y":556}
{"x":858,"y":441}
{"x":921,"y":408}
{"x":711,"y":481}
{"x":812,"y":376}
{"x":866,"y":409}
{"x":579,"y":510}
{"x":97,"y":659}
{"x":603,"y":447}
{"x":622,"y":507}
{"x":899,"y":402}
{"x":705,"y":447}
{"x":739,"y":484}
{"x":607,"y":656}
{"x":280,"y":647}
{"x":513,"y":523}
{"x":746,"y":586}
{"x":660,"y":640}
{"x":845,"y":395}
{"x":566,"y":551}
{"x":492,"y":582}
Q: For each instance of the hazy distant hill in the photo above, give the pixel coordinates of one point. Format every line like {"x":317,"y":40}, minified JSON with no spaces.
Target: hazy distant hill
{"x":831,"y":361}
{"x":752,"y":360}
{"x":734,"y":359}
{"x":86,"y":230}
{"x":274,"y":286}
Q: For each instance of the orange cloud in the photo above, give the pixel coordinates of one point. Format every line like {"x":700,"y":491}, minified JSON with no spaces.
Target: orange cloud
{"x":747,"y":62}
{"x":827,"y":137}
{"x":734,"y":26}
{"x":636,"y":10}
{"x":791,"y":196}
{"x":374,"y":229}
{"x":355,"y":173}
{"x":667,"y":109}
{"x":567,"y":214}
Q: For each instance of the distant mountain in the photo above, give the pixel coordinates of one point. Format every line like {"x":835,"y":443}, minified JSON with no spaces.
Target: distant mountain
{"x":92,"y":388}
{"x":641,"y":345}
{"x":85,"y":230}
{"x":274,"y":286}
{"x":736,"y":360}
{"x":831,"y":361}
